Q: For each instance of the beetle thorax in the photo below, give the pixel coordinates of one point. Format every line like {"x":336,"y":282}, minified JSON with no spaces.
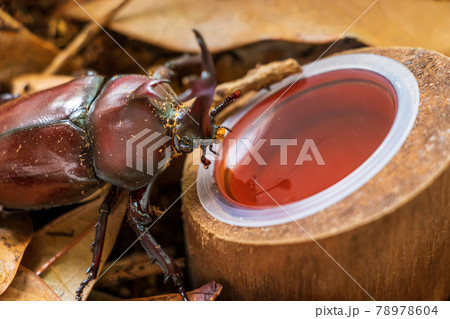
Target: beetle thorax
{"x":131,"y":124}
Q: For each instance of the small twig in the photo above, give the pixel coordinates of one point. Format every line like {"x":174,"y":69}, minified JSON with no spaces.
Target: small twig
{"x":62,"y":234}
{"x":260,"y":77}
{"x":80,"y":40}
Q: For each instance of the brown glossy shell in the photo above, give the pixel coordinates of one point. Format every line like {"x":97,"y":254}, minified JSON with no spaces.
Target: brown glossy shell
{"x":118,"y":119}
{"x":44,"y":149}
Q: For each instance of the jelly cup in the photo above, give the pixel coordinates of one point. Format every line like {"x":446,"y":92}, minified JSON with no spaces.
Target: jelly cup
{"x":331,"y":93}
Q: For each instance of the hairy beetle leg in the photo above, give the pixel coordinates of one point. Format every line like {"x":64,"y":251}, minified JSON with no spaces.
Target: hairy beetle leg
{"x":139,"y":219}
{"x":100,"y":231}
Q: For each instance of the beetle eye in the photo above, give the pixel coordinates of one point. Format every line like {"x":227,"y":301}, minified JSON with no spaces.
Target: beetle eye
{"x":185,"y":145}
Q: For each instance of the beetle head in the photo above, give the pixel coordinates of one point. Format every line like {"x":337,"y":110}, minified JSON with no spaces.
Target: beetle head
{"x":191,"y":132}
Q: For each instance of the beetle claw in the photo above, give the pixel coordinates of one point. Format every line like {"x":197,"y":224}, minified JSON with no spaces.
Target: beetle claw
{"x":166,"y":278}
{"x":213,"y":151}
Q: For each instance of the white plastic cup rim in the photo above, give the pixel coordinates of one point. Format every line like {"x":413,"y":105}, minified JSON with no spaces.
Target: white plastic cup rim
{"x":407,"y":92}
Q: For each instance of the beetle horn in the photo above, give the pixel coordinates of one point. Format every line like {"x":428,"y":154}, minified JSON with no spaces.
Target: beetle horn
{"x":202,"y":87}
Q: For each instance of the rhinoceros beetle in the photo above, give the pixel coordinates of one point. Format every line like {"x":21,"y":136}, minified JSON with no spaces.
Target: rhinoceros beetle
{"x":60,"y":145}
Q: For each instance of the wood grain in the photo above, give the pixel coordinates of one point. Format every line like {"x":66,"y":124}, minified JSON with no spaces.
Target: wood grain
{"x":390,"y":236}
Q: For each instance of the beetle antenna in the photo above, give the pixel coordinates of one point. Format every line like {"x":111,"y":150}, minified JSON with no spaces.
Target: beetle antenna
{"x":230,"y":98}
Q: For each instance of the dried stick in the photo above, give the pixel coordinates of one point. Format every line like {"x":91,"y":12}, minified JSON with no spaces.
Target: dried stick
{"x":260,"y":77}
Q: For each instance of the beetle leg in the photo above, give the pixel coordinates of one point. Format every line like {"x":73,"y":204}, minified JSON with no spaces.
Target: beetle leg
{"x":186,"y":60}
{"x":139,"y":219}
{"x":169,"y":69}
{"x":203,"y":85}
{"x":100,"y":231}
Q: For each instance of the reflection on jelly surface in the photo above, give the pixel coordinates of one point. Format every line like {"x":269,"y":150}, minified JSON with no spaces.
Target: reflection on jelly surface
{"x":345,"y":114}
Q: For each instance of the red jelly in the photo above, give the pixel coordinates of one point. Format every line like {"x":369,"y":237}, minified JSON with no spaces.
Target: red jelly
{"x":342,"y":115}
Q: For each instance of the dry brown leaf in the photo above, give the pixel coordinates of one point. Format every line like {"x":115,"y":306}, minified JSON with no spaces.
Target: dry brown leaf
{"x":229,"y":24}
{"x":27,"y":286}
{"x":21,"y":51}
{"x":207,"y":292}
{"x":75,"y":230}
{"x":81,"y":40}
{"x":29,"y":83}
{"x":15,"y":234}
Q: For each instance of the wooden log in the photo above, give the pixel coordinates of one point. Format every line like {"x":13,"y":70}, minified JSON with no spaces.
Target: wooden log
{"x":386,"y":241}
